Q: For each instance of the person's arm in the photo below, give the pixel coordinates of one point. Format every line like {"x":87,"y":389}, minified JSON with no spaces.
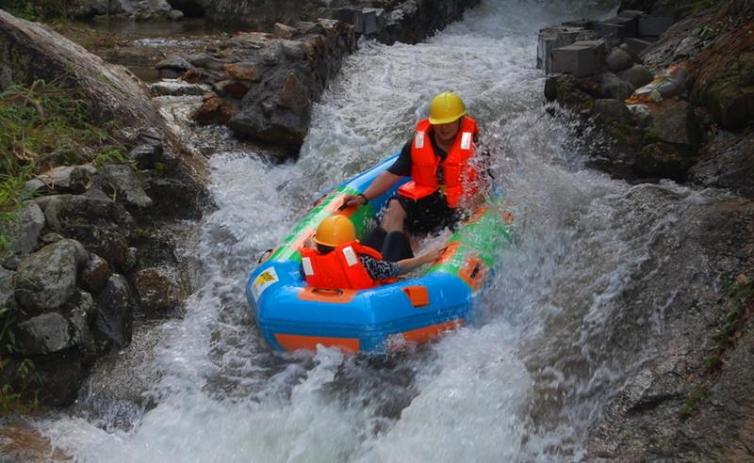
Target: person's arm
{"x":400,"y":168}
{"x":406,"y":265}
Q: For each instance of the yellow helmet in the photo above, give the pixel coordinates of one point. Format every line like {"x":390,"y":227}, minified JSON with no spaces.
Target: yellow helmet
{"x":334,"y":231}
{"x":445,"y":108}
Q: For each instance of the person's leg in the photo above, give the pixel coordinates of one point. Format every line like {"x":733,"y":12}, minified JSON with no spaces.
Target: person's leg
{"x":397,"y":247}
{"x":394,"y":217}
{"x":392,"y":220}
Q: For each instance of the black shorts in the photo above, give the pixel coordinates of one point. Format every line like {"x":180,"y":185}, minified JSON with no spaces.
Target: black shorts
{"x":429,"y":214}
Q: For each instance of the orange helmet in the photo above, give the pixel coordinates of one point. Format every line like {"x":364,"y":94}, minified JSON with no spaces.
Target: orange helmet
{"x":334,"y":231}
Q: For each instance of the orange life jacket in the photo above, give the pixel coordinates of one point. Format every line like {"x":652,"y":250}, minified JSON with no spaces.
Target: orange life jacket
{"x":459,"y":176}
{"x":340,"y":268}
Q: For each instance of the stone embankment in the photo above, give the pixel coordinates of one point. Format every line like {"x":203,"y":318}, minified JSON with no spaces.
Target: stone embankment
{"x":92,"y":248}
{"x":263,"y":84}
{"x":671,"y":94}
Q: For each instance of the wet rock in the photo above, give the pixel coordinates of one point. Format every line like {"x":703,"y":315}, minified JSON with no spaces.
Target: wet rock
{"x":59,"y":377}
{"x":68,"y":179}
{"x":94,"y":220}
{"x":95,"y":274}
{"x":609,"y":110}
{"x":232,"y":88}
{"x":114,"y":315}
{"x":637,"y":75}
{"x":175,"y":15}
{"x":120,"y":181}
{"x":180,"y":199}
{"x":173,"y":67}
{"x":148,"y":149}
{"x":618,"y":60}
{"x":283,"y":31}
{"x":729,"y":94}
{"x":174,"y":87}
{"x":47,"y":278}
{"x":664,"y":160}
{"x":571,"y":92}
{"x":215,"y":110}
{"x":22,"y":230}
{"x":727,"y":162}
{"x":44,"y":334}
{"x":241,"y":71}
{"x":7,"y":288}
{"x":158,"y":291}
{"x":675,"y":122}
{"x":611,"y":86}
{"x":22,"y":443}
{"x":49,"y":238}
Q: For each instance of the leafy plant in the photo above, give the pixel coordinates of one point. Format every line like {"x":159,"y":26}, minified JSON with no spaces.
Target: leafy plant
{"x":44,"y":125}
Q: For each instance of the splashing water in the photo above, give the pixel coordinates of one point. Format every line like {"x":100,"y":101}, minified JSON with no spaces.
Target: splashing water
{"x":522,"y":384}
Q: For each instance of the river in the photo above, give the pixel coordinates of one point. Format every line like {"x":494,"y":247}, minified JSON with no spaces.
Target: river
{"x":523,"y":383}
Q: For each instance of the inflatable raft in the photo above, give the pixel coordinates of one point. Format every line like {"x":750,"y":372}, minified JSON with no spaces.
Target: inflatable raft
{"x":434,"y":299}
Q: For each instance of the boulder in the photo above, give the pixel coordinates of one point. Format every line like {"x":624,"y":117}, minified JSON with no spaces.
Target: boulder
{"x":609,"y":110}
{"x":241,"y":71}
{"x":59,"y":377}
{"x":148,"y":149}
{"x":68,"y":179}
{"x":120,"y":181}
{"x":727,"y":164}
{"x":95,"y":274}
{"x":283,"y":31}
{"x":618,"y":60}
{"x":7,"y":289}
{"x":158,"y":291}
{"x":570,"y":92}
{"x":114,"y":313}
{"x":47,"y":278}
{"x":215,"y":110}
{"x":173,"y":67}
{"x":44,"y":334}
{"x":94,"y":220}
{"x":637,"y":75}
{"x":674,"y":121}
{"x":729,"y":93}
{"x":664,"y":160}
{"x":174,"y":87}
{"x":612,"y":86}
{"x":22,"y":229}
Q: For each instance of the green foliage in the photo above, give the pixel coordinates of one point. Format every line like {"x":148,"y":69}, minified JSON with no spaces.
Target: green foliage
{"x":693,"y":399}
{"x":35,"y":10}
{"x":707,"y":32}
{"x":110,"y":156}
{"x":160,"y":169}
{"x":42,"y":126}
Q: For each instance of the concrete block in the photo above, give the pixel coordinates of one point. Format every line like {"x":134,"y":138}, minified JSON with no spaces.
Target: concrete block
{"x":636,"y":46}
{"x":582,"y":23}
{"x":372,"y":20}
{"x":555,"y":37}
{"x":654,"y":24}
{"x":582,"y":58}
{"x":630,"y":24}
{"x":630,"y":13}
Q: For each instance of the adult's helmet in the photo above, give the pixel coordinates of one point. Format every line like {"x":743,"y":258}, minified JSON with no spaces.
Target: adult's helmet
{"x":445,"y":108}
{"x":334,"y":231}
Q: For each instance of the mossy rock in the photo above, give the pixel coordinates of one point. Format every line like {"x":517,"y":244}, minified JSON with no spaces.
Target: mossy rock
{"x":730,"y":95}
{"x":665,"y":160}
{"x":570,"y":92}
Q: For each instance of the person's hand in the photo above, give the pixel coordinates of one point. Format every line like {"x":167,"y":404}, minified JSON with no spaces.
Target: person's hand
{"x":353,"y":201}
{"x":433,"y":255}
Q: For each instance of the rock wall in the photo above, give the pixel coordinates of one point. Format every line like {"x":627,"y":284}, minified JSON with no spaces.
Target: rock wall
{"x":678,"y":106}
{"x":92,"y":248}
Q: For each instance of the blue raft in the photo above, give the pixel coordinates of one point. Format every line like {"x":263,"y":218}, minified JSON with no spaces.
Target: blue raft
{"x":292,"y":316}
